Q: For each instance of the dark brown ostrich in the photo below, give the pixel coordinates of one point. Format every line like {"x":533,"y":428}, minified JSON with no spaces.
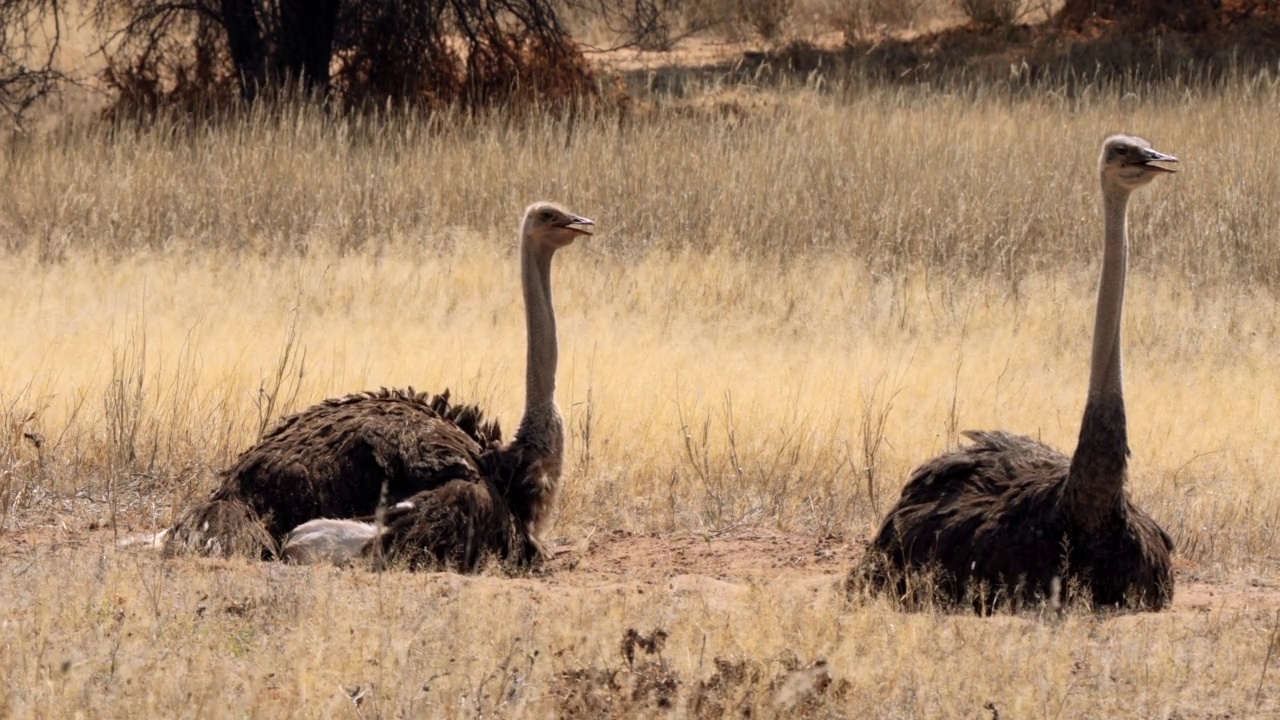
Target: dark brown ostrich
{"x":344,"y":457}
{"x":1009,"y":521}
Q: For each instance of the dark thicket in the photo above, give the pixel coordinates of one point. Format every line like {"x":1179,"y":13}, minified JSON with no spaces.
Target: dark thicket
{"x":191,"y":53}
{"x":28,"y":47}
{"x":1180,"y":15}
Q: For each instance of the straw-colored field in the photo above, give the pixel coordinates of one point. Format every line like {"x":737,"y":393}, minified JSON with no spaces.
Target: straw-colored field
{"x":785,"y":308}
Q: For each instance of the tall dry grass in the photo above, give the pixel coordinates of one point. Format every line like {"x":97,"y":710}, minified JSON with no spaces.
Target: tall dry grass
{"x":787,"y":306}
{"x":782,"y":312}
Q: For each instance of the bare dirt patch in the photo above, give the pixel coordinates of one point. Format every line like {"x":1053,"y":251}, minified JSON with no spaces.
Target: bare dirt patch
{"x":718,"y":569}
{"x":729,"y":565}
{"x":741,"y":556}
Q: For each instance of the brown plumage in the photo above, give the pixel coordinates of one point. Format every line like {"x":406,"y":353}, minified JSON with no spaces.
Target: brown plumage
{"x":458,"y":525}
{"x":1009,"y":521}
{"x":464,"y":493}
{"x":331,"y":460}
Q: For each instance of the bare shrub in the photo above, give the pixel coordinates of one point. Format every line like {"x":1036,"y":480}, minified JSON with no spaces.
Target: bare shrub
{"x":732,"y":19}
{"x":765,"y":17}
{"x":27,"y":53}
{"x":652,"y":24}
{"x":858,"y":19}
{"x":894,"y":15}
{"x":992,"y":12}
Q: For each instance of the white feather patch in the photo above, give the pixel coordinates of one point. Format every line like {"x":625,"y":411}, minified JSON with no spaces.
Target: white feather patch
{"x":154,"y":541}
{"x":325,"y":540}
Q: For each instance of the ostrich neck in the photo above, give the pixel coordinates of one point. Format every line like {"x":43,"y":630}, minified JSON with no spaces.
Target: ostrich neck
{"x":1098,"y":468}
{"x":1106,"y":376}
{"x":541,"y":426}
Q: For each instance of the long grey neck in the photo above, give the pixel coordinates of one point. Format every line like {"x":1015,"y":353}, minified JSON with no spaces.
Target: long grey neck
{"x":1099,"y":465}
{"x":540,"y":438}
{"x":1106,"y":373}
{"x":541,"y":426}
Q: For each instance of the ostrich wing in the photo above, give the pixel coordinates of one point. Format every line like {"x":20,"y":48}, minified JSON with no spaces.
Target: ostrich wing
{"x":334,"y":459}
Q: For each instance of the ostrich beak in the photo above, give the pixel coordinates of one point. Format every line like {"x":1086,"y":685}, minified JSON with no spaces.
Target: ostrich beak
{"x":579,"y":224}
{"x":1149,"y":156}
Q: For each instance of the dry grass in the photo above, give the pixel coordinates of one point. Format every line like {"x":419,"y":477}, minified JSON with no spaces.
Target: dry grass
{"x":788,"y":305}
{"x":142,"y":637}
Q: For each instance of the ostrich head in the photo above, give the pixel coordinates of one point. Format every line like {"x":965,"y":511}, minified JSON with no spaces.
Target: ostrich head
{"x":1126,"y":162}
{"x":550,"y":226}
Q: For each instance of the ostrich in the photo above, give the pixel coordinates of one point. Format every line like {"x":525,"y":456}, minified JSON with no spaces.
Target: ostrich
{"x":1008,"y":520}
{"x":423,"y":456}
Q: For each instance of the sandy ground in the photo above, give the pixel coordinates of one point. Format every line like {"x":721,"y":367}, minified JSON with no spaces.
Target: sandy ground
{"x":685,"y":563}
{"x":720,"y":568}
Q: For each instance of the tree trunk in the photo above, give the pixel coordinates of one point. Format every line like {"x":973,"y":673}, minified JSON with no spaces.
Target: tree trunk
{"x":305,"y":43}
{"x":244,"y":41}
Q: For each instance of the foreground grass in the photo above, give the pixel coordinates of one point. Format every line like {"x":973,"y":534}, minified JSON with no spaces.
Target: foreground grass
{"x":114,"y":634}
{"x":783,"y":312}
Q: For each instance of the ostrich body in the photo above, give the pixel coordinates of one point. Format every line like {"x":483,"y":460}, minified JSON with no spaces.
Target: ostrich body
{"x":454,"y":490}
{"x":1008,"y":520}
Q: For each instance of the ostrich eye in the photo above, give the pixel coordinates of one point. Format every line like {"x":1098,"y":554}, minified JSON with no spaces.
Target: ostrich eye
{"x":1122,"y":150}
{"x":546,"y":214}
